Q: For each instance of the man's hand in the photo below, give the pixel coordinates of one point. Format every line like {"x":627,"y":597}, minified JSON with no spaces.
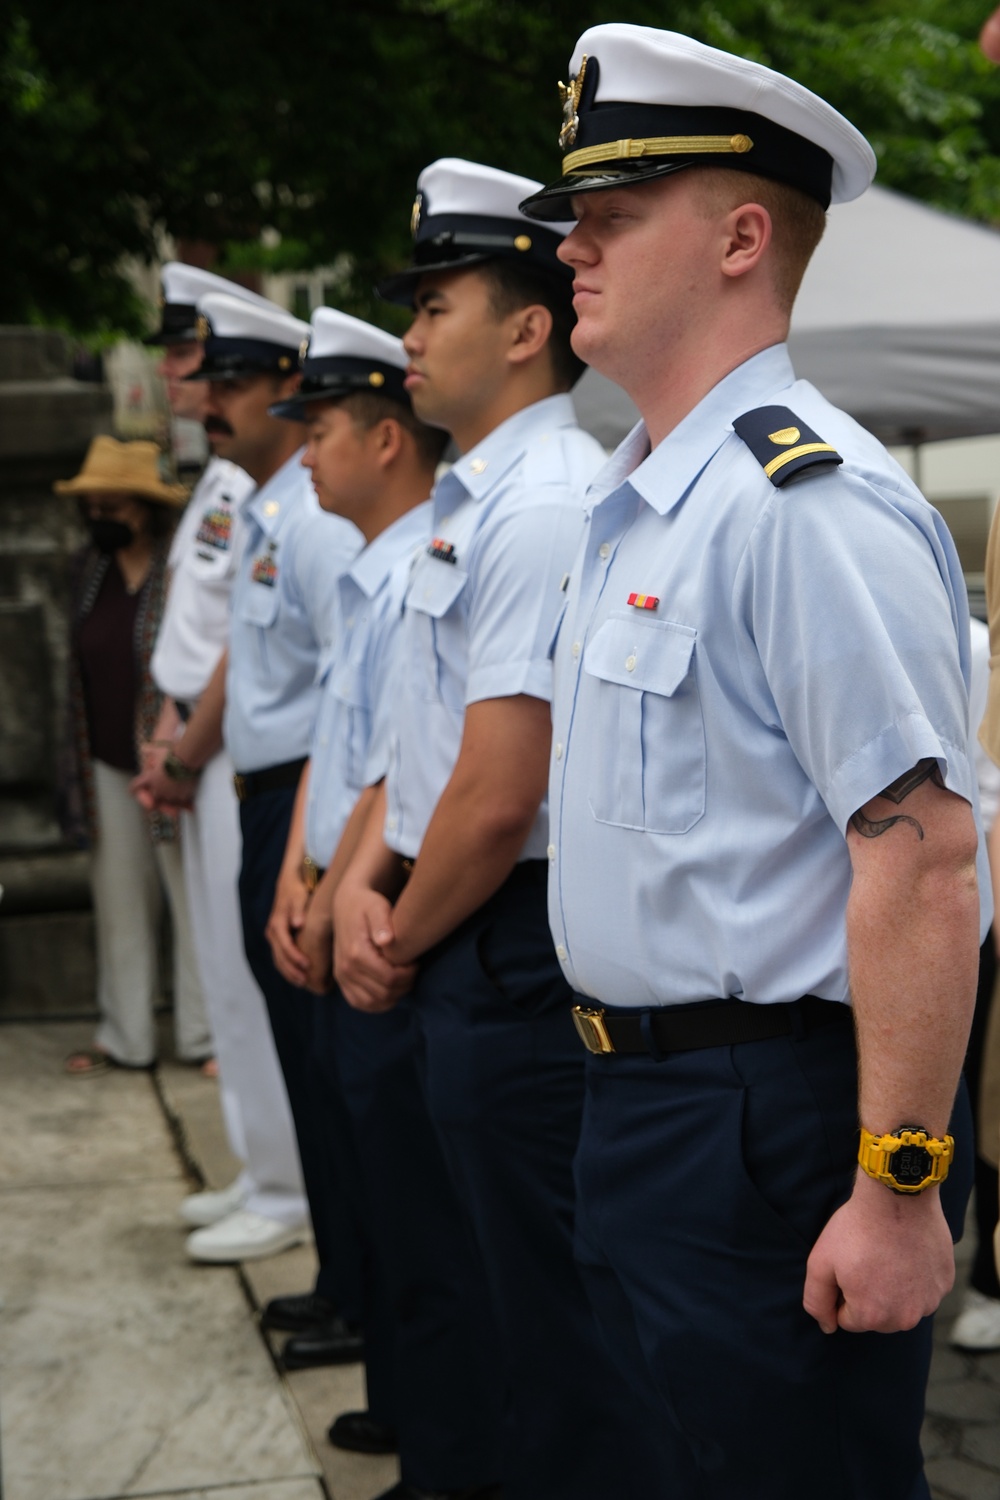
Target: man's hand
{"x":362,"y":925}
{"x":883,"y":1262}
{"x":154,"y":789}
{"x":288,"y":914}
{"x":315,"y":943}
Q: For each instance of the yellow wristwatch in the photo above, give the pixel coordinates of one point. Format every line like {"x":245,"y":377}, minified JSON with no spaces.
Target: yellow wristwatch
{"x":908,"y":1160}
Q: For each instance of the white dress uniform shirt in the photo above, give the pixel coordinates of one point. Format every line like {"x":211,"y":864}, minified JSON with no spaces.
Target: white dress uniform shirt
{"x":350,"y":743}
{"x":809,"y":646}
{"x":204,"y":560}
{"x":282,"y":604}
{"x":483,"y":599}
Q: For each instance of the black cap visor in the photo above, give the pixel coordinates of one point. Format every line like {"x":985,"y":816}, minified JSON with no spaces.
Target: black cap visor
{"x":619,"y":145}
{"x":454,"y":242}
{"x":333,"y":377}
{"x":178,"y":325}
{"x":232,"y":359}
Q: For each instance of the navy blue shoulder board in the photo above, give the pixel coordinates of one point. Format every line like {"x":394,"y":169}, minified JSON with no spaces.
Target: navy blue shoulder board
{"x":782,"y":445}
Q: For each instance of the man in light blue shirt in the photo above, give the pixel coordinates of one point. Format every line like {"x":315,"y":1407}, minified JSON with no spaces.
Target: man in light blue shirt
{"x":763,"y":809}
{"x":282,"y":603}
{"x":448,"y":893}
{"x":430,"y":1378}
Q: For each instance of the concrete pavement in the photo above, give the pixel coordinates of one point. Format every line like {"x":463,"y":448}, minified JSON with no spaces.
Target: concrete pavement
{"x":126,"y":1371}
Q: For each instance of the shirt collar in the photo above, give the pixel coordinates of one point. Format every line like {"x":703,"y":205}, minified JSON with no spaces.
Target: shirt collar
{"x":486,"y":464}
{"x":663,"y":477}
{"x":372,"y":567}
{"x":276,"y":496}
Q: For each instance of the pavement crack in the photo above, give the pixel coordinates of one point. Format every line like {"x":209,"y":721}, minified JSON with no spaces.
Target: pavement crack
{"x":158,"y":1446}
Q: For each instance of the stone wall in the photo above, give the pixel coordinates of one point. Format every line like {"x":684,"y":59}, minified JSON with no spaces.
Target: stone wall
{"x":47,"y":420}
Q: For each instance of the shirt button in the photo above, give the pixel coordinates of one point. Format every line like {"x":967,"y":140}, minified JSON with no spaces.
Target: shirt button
{"x":561,"y":954}
{"x":559,"y":750}
{"x":551,"y":851}
{"x":604,"y":551}
{"x":390,"y":823}
{"x":576,"y":648}
{"x":630,"y":663}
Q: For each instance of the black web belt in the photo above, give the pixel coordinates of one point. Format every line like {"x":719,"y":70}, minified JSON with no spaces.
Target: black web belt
{"x":251,"y":783}
{"x":713,"y":1023}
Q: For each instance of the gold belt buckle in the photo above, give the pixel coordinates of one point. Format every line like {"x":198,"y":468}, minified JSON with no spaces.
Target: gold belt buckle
{"x":240,"y":783}
{"x":591,"y":1028}
{"x":310,"y":874}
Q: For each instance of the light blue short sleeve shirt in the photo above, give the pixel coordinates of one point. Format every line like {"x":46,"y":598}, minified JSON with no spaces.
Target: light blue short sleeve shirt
{"x":282,"y":618}
{"x":809,"y":644}
{"x":357,"y":677}
{"x":483,"y":598}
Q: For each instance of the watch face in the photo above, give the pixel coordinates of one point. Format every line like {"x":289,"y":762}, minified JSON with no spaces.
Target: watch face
{"x":910,"y":1166}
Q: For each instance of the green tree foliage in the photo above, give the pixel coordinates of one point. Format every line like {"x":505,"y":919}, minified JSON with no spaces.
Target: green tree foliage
{"x":214,"y":121}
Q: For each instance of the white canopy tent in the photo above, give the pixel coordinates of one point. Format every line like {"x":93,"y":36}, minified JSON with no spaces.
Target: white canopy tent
{"x":897,"y":321}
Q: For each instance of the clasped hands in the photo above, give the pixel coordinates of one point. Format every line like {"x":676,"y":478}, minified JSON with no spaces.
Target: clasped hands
{"x":301,"y":932}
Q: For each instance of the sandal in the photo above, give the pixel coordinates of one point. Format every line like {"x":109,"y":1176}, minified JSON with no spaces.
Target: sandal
{"x":88,"y":1062}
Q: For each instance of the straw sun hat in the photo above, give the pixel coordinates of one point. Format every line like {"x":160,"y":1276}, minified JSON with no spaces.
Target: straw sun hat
{"x":130,"y":468}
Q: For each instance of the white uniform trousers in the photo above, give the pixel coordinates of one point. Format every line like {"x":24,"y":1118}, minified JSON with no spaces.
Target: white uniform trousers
{"x":129,"y":873}
{"x":254,"y":1101}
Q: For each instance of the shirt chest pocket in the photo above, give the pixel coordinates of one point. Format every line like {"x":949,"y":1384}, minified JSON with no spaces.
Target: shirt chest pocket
{"x":348,"y":686}
{"x":435,"y":589}
{"x":259,"y":603}
{"x":646,"y":733}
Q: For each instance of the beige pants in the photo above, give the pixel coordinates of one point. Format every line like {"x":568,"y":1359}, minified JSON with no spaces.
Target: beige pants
{"x":129,"y":875}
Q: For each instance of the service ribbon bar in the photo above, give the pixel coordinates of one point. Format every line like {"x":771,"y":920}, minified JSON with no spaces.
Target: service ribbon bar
{"x":643,"y":601}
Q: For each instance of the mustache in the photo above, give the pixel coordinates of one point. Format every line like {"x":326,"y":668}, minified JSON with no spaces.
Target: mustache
{"x":217,"y":424}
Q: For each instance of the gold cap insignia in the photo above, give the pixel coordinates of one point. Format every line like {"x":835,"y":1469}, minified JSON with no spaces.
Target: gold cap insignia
{"x":523,"y":242}
{"x":569,"y":93}
{"x":303,"y":351}
{"x":741,"y":144}
{"x":285,"y":362}
{"x":785,"y":436}
{"x":418,"y":204}
{"x":202,"y":328}
{"x":376,"y":378}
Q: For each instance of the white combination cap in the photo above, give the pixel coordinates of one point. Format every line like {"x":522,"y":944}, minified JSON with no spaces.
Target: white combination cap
{"x":181,"y":286}
{"x":642,"y":103}
{"x":464,"y":214}
{"x":246,"y":338}
{"x":345,"y":356}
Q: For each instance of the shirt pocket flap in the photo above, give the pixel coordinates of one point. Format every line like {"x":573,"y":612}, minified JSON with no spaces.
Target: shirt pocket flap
{"x":435,"y":586}
{"x":653,"y":656}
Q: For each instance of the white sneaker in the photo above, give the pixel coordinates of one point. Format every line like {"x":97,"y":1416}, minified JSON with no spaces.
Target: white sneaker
{"x":978,"y":1324}
{"x":244,"y":1236}
{"x":208,"y":1207}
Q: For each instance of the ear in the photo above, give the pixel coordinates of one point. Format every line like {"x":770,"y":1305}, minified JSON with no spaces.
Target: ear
{"x":531,"y":328}
{"x":289,"y":384}
{"x":387,"y":438}
{"x":747,"y":235}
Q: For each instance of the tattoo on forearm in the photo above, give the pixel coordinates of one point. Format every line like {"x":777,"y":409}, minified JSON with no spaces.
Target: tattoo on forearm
{"x":873,"y":828}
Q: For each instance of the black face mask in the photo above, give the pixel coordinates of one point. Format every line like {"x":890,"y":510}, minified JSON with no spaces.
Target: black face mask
{"x":109,"y":536}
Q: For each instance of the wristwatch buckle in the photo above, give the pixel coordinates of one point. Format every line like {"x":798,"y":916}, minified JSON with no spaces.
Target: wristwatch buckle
{"x":592,"y":1030}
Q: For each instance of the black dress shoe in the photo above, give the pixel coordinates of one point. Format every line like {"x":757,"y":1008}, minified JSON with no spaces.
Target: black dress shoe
{"x":403,"y":1491}
{"x":358,"y":1432}
{"x":296,"y":1313}
{"x":332,"y":1342}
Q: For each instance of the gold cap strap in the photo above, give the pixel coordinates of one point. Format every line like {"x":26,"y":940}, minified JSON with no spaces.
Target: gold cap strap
{"x":657,"y":145}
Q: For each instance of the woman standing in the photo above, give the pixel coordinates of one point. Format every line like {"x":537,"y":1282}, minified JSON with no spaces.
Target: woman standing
{"x":118,"y":593}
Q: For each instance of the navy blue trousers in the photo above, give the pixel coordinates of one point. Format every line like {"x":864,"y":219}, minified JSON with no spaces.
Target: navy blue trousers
{"x":505,"y":1082}
{"x":447,"y":1385}
{"x":322,"y":1127}
{"x":704,"y":1179}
